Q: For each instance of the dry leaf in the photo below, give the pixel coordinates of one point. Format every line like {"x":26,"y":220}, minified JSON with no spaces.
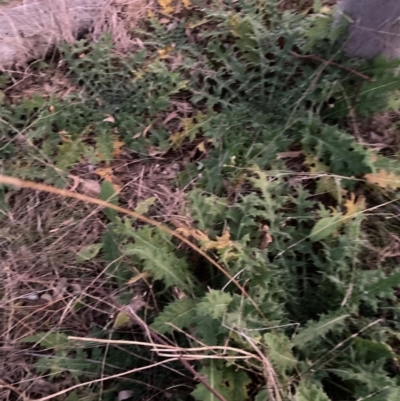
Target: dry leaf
{"x":150,"y":14}
{"x":76,"y":182}
{"x":107,"y":174}
{"x":65,"y":136}
{"x":140,"y":43}
{"x":117,"y":145}
{"x":124,"y":395}
{"x":109,"y":119}
{"x":201,"y":147}
{"x":170,"y":117}
{"x":90,"y":187}
{"x":354,"y":206}
{"x":164,"y":53}
{"x":384,"y":179}
{"x":138,"y":277}
{"x":47,"y":297}
{"x":289,"y":154}
{"x":266,"y":238}
{"x":144,"y":133}
{"x":187,"y":3}
{"x":154,"y":151}
{"x":166,"y":6}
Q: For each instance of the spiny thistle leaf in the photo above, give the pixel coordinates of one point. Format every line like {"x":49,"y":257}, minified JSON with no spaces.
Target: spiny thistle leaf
{"x":179,"y":313}
{"x":315,"y":330}
{"x":228,"y":382}
{"x":159,"y":258}
{"x":325,"y":227}
{"x":310,"y":393}
{"x":384,"y":286}
{"x":215,"y":304}
{"x":280,"y":351}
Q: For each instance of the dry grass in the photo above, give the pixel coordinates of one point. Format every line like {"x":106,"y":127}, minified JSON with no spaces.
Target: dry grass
{"x":42,"y":283}
{"x":41,"y":280}
{"x":32,"y":29}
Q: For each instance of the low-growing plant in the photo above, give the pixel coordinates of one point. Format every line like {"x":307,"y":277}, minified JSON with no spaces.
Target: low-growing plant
{"x":291,"y":307}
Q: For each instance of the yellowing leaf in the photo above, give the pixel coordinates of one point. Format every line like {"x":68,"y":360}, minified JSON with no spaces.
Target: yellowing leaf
{"x":107,"y":174}
{"x":122,"y":319}
{"x":144,"y":206}
{"x":224,"y":240}
{"x":191,"y":232}
{"x":187,"y":3}
{"x":164,"y":53}
{"x":177,"y":139}
{"x":328,"y":184}
{"x":384,"y":179}
{"x":354,"y":206}
{"x":166,"y":6}
{"x":88,"y":252}
{"x":138,"y":277}
{"x":205,"y":242}
{"x":117,"y":145}
{"x":314,"y":164}
{"x":190,"y":127}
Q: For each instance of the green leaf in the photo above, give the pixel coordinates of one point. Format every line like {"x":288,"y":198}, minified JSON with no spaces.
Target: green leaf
{"x":69,"y":153}
{"x":325,"y":227}
{"x":179,"y":313}
{"x":262,"y":395}
{"x":205,"y":210}
{"x":373,"y":349}
{"x":77,"y":367}
{"x":144,"y":206}
{"x":122,"y":319}
{"x":73,"y":397}
{"x":310,"y":393}
{"x":158,"y":257}
{"x":215,"y":304}
{"x":105,"y":143}
{"x":317,"y":6}
{"x":336,"y":149}
{"x":88,"y":252}
{"x":384,"y":286}
{"x":280,"y":352}
{"x":112,"y":255}
{"x":57,"y":341}
{"x":388,"y":394}
{"x":315,"y":330}
{"x":229,"y":382}
{"x":108,"y":194}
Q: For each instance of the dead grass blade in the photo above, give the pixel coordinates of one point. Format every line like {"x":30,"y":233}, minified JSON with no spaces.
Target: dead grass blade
{"x":84,"y":198}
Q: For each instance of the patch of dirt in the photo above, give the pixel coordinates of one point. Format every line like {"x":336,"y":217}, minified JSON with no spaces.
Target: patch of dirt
{"x":304,"y":5}
{"x":380,"y":132}
{"x":47,"y":82}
